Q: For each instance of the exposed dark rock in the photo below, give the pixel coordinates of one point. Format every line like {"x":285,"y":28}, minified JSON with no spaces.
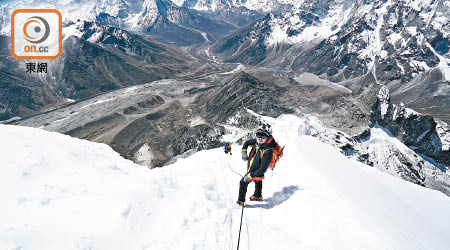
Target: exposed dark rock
{"x":87,"y":67}
{"x":131,"y":110}
{"x":239,"y":46}
{"x":183,"y":26}
{"x":21,"y":94}
{"x":153,"y":102}
{"x":243,"y":91}
{"x":167,"y":133}
{"x":371,"y":147}
{"x":94,"y":129}
{"x":154,"y":116}
{"x":421,"y":133}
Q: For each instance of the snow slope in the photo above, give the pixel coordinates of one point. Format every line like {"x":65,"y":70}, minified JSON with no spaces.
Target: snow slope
{"x":64,"y":193}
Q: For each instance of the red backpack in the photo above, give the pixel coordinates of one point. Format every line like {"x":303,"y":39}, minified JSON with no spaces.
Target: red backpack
{"x":277,"y":153}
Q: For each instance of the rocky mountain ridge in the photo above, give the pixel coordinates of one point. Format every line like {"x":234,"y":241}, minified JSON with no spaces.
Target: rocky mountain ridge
{"x":96,"y":59}
{"x":402,"y":44}
{"x":401,"y":142}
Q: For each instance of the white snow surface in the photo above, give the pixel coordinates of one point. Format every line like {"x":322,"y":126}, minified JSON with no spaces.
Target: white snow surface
{"x":144,"y":155}
{"x":383,"y":149}
{"x":328,"y":26}
{"x":60,"y":192}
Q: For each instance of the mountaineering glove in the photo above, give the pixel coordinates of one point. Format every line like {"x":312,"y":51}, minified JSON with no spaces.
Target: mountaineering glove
{"x":244,"y":155}
{"x":248,"y":178}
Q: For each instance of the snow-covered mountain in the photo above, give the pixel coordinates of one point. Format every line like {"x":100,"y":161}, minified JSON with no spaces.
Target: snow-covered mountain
{"x":221,"y":5}
{"x":404,"y":44}
{"x":424,"y":134}
{"x":399,"y":141}
{"x":379,"y":148}
{"x":164,"y":20}
{"x":368,"y":33}
{"x":74,"y":194}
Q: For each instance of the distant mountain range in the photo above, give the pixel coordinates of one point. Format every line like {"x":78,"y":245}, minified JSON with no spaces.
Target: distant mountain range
{"x":187,"y":23}
{"x":155,"y":123}
{"x":403,"y":44}
{"x":96,"y":59}
{"x":113,"y":44}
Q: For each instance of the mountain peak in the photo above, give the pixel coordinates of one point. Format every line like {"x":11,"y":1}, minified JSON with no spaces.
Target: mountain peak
{"x":383,"y":95}
{"x":422,"y":133}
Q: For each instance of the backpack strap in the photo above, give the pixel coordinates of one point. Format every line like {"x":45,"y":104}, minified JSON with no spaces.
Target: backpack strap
{"x":251,"y":157}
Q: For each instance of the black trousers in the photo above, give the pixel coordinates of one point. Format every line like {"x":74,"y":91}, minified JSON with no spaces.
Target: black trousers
{"x":243,"y":189}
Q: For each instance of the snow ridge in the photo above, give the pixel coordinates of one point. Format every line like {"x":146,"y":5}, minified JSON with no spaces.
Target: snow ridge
{"x":101,"y":201}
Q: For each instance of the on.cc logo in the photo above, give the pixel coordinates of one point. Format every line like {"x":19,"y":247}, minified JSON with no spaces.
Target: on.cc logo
{"x":36,"y":34}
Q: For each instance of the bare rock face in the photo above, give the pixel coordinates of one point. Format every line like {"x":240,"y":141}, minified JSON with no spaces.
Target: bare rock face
{"x":422,"y":133}
{"x":243,"y":90}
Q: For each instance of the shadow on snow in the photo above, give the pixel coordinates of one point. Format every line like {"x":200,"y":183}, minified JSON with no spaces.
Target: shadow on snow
{"x":277,"y":198}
